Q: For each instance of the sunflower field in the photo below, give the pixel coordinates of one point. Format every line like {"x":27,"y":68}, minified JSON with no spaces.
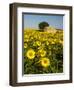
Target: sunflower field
{"x":43,"y":52}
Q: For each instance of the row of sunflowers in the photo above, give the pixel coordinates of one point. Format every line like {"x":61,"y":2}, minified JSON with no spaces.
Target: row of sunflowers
{"x":43,"y":52}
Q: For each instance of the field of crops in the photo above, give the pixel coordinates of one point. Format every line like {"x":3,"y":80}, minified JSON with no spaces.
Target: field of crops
{"x":43,"y":52}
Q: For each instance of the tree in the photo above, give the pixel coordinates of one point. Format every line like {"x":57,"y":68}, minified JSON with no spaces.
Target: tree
{"x":42,"y":25}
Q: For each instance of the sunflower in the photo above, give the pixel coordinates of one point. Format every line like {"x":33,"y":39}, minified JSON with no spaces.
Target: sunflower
{"x":30,"y":54}
{"x":47,"y":43}
{"x":25,"y":36}
{"x":31,"y":38}
{"x":52,"y":42}
{"x":34,"y":44}
{"x":42,"y":52}
{"x":61,"y":42}
{"x":25,"y":45}
{"x":38,"y":43}
{"x":45,"y":62}
{"x":26,"y":40}
{"x":55,"y":40}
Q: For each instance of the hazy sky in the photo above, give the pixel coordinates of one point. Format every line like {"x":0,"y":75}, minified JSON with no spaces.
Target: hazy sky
{"x":32,"y":20}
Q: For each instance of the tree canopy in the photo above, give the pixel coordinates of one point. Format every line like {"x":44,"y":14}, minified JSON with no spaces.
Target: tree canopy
{"x":42,"y":25}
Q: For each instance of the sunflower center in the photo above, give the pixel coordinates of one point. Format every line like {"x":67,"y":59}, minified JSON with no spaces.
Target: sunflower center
{"x":45,"y":61}
{"x":31,"y":54}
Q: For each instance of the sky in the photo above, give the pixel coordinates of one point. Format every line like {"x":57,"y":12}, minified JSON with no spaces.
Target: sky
{"x":32,"y":20}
